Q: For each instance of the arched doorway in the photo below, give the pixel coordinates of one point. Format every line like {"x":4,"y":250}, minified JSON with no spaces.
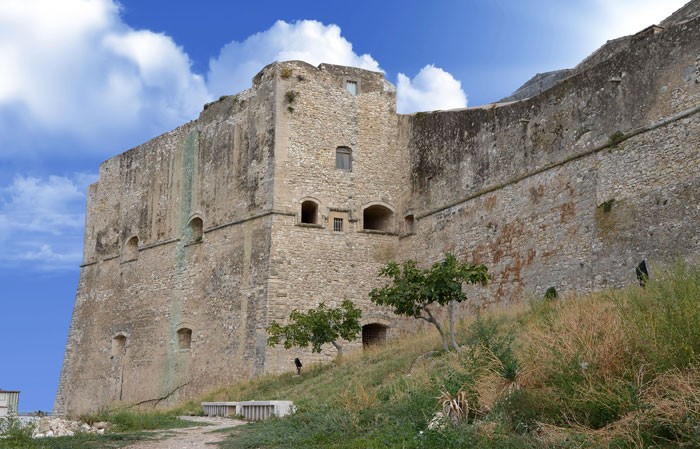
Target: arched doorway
{"x":373,"y":334}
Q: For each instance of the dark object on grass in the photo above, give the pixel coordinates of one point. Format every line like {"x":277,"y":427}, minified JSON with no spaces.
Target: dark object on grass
{"x":642,"y":273}
{"x":297,"y":363}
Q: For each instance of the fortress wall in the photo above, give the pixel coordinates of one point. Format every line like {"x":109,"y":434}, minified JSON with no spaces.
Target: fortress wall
{"x":219,"y":169}
{"x":521,"y":187}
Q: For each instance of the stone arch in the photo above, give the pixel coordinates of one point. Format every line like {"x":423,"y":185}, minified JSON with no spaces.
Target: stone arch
{"x":309,"y":212}
{"x":131,"y":249}
{"x":119,"y":342}
{"x":374,"y":333}
{"x":184,"y":338}
{"x":378,"y":217}
{"x":195,"y":229}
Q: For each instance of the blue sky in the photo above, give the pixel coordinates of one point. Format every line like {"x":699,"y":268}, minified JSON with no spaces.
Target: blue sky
{"x":84,"y":80}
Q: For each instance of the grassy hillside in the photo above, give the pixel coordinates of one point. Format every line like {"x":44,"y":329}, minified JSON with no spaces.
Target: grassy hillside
{"x":614,"y":369}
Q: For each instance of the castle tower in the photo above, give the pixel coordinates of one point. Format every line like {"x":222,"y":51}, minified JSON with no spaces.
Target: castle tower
{"x":280,"y":197}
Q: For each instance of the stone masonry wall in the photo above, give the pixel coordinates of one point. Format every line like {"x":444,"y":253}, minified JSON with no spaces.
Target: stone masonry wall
{"x":218,"y":169}
{"x":521,"y":187}
{"x":312,"y":263}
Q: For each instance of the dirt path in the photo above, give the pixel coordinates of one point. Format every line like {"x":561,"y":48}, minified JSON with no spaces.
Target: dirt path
{"x":198,"y":437}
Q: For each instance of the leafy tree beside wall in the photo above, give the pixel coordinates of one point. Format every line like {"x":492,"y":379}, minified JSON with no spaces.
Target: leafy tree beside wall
{"x":414,"y":291}
{"x":317,"y":327}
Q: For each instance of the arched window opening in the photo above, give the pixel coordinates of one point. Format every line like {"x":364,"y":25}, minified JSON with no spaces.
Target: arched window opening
{"x":119,"y":345}
{"x":309,"y":212}
{"x":184,"y":338}
{"x":343,"y":158}
{"x":131,"y":249}
{"x":373,"y":334}
{"x":195,"y":230}
{"x":377,"y":218}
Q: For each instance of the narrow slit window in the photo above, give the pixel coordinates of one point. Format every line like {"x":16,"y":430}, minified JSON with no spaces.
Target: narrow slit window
{"x":131,"y":249}
{"x":196,"y":230}
{"x":351,"y":86}
{"x":343,"y":158}
{"x":409,"y":224}
{"x":184,"y":338}
{"x":119,"y":345}
{"x":338,"y":224}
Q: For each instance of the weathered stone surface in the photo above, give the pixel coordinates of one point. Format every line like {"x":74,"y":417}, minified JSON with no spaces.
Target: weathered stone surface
{"x":194,"y":241}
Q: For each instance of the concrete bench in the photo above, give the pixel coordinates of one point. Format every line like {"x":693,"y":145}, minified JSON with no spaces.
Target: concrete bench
{"x":250,"y":410}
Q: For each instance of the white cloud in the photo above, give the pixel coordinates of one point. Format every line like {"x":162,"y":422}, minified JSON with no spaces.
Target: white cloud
{"x":74,"y":68}
{"x":41,"y":220}
{"x":596,"y":21}
{"x":305,"y":40}
{"x":433,"y":88}
{"x":624,"y":17}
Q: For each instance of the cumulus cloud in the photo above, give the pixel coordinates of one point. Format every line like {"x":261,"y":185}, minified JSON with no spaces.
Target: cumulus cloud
{"x":41,"y":221}
{"x":432,"y":88}
{"x":316,"y":43}
{"x":304,"y":40}
{"x":74,"y":68}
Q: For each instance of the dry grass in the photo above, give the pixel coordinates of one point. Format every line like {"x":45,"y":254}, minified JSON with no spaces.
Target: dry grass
{"x":587,"y":332}
{"x":456,"y":408}
{"x":357,"y":397}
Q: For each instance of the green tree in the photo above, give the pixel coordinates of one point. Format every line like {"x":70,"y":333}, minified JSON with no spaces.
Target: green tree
{"x":413,"y":291}
{"x":317,"y":327}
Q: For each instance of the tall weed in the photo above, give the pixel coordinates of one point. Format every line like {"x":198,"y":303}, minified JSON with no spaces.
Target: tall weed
{"x":663,"y":318}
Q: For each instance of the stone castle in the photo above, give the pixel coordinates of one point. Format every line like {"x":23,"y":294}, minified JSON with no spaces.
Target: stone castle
{"x":298,"y":190}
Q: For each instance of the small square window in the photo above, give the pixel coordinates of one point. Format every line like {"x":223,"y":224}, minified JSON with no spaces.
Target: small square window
{"x":338,"y":224}
{"x":351,"y":86}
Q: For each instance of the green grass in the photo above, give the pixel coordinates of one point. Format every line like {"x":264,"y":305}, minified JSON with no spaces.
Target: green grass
{"x":616,"y":369}
{"x":129,"y":421}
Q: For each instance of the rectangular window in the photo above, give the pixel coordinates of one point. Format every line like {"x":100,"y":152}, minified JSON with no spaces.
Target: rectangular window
{"x":338,"y":224}
{"x":351,"y":86}
{"x":343,"y":158}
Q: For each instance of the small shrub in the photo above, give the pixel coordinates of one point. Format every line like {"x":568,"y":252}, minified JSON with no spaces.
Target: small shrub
{"x":486,"y":334}
{"x":607,"y":205}
{"x":290,"y":96}
{"x":285,"y":73}
{"x":459,"y":408}
{"x":616,"y":137}
{"x":551,"y":293}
